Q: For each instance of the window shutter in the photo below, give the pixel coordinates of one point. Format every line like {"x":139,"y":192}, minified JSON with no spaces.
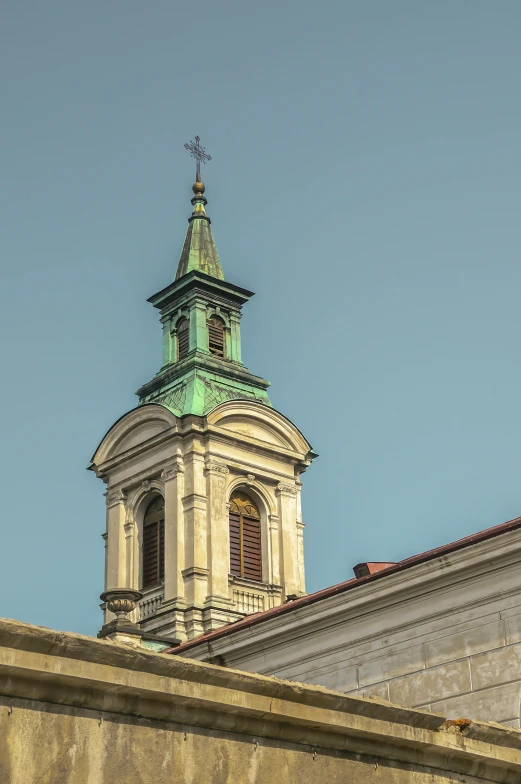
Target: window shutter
{"x":251,"y":537}
{"x":235,"y":544}
{"x":154,"y":543}
{"x":183,"y":342}
{"x":216,"y":337}
{"x":245,"y":538}
{"x":150,"y":559}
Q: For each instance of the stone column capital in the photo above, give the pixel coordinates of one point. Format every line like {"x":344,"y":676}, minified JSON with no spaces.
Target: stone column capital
{"x":114,"y":497}
{"x":171,"y":471}
{"x":285,"y":489}
{"x":216,"y":467}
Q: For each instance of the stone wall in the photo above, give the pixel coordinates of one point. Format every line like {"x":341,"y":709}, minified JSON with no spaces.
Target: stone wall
{"x":443,"y":636}
{"x":74,"y":710}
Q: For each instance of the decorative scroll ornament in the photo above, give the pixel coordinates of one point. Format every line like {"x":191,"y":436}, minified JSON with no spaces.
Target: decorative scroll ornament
{"x":216,"y":467}
{"x":115,"y":497}
{"x":250,"y":479}
{"x":286,"y":489}
{"x":170,"y":472}
{"x":146,"y":485}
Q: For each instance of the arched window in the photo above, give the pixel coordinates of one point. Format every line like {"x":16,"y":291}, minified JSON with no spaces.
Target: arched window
{"x":216,"y":337}
{"x":245,"y":538}
{"x":154,"y":543}
{"x":183,"y":343}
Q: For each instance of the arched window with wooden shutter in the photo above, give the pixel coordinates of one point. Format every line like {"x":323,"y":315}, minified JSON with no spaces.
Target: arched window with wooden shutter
{"x":154,"y":543}
{"x":183,"y":341}
{"x":245,"y":538}
{"x":216,"y":337}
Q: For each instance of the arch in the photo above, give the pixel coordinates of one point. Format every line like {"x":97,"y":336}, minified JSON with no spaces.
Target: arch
{"x":153,"y":542}
{"x":245,"y":537}
{"x":182,"y":329}
{"x":261,"y":422}
{"x":216,"y":337}
{"x":133,"y":429}
{"x":263,"y":500}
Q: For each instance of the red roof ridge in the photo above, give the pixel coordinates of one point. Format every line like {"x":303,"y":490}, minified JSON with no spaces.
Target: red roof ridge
{"x":332,"y":590}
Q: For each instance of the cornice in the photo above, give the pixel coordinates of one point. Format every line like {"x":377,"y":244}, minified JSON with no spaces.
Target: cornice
{"x":199,"y":361}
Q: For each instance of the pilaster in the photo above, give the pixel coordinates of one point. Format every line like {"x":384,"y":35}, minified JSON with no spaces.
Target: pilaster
{"x":173,"y":478}
{"x":235,"y":336}
{"x":218,"y":530}
{"x":300,"y":554}
{"x":195,"y":573}
{"x":116,"y":550}
{"x":274,"y":531}
{"x":287,"y":496}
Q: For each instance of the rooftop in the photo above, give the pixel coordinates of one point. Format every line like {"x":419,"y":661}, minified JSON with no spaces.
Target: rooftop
{"x":370,"y":576}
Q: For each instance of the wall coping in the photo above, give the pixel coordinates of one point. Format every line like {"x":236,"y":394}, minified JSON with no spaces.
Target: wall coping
{"x":68,"y":669}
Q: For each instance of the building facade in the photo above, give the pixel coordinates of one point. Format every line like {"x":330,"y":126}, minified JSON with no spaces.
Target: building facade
{"x":204,"y":520}
{"x":203,"y":489}
{"x":439,"y":632}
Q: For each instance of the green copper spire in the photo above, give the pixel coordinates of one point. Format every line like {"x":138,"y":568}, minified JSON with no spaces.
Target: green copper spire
{"x":201,"y":314}
{"x":199,"y":251}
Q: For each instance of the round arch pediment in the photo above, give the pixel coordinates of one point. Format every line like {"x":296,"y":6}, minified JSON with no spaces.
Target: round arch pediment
{"x":133,"y":429}
{"x":258,"y":421}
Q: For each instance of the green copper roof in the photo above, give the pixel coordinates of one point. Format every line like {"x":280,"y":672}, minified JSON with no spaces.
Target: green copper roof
{"x":199,"y":251}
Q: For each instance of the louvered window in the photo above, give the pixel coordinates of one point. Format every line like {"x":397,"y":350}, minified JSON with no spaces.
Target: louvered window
{"x":245,"y":538}
{"x":216,"y":337}
{"x":154,"y":543}
{"x":183,"y":343}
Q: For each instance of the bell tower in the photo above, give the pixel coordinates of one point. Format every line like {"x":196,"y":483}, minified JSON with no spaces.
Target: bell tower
{"x":203,"y":488}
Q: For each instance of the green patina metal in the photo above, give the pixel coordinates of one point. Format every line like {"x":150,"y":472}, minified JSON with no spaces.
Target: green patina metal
{"x":199,"y":381}
{"x":199,"y":251}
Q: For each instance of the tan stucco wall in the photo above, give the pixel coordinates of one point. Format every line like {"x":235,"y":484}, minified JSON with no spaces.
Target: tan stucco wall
{"x":84,"y":711}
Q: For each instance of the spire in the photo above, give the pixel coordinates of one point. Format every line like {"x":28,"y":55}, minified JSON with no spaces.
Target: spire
{"x":199,"y":251}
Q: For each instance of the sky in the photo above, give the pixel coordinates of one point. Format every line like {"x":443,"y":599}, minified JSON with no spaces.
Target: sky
{"x":365,"y":182}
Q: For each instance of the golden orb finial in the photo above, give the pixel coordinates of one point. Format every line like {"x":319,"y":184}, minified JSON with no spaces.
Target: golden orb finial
{"x":198,"y":188}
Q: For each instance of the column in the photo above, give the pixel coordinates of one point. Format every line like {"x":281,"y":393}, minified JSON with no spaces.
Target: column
{"x":274,"y":534}
{"x":167,"y":341}
{"x":217,"y":526}
{"x":116,"y":550}
{"x":235,"y":336}
{"x":286,"y":494}
{"x":198,"y":327}
{"x":173,"y":477}
{"x":301,"y":571}
{"x":195,"y":573}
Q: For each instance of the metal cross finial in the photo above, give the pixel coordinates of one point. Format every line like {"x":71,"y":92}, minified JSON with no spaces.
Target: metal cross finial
{"x":199,"y":153}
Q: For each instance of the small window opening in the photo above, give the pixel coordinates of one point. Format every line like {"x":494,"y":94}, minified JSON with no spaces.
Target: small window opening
{"x":154,"y":543}
{"x":182,"y":338}
{"x":216,"y":337}
{"x":245,"y":538}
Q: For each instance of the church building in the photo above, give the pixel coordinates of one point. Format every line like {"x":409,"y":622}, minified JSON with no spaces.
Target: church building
{"x":204,"y":533}
{"x":203,"y":490}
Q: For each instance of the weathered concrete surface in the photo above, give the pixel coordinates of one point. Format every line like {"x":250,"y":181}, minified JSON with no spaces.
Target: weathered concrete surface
{"x":74,"y":710}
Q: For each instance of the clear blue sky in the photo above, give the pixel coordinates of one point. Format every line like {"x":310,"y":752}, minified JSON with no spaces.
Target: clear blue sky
{"x":365,"y":183}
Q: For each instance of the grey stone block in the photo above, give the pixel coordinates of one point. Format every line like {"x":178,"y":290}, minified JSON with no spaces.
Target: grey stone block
{"x":433,"y":684}
{"x":385,"y":667}
{"x":499,"y":666}
{"x":471,"y":641}
{"x":497,"y":704}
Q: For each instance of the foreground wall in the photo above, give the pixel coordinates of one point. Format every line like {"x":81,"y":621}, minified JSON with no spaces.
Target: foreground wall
{"x":84,"y":711}
{"x":443,"y":635}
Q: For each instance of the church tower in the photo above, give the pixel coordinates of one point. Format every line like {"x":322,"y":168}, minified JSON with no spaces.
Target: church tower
{"x":203,"y":490}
